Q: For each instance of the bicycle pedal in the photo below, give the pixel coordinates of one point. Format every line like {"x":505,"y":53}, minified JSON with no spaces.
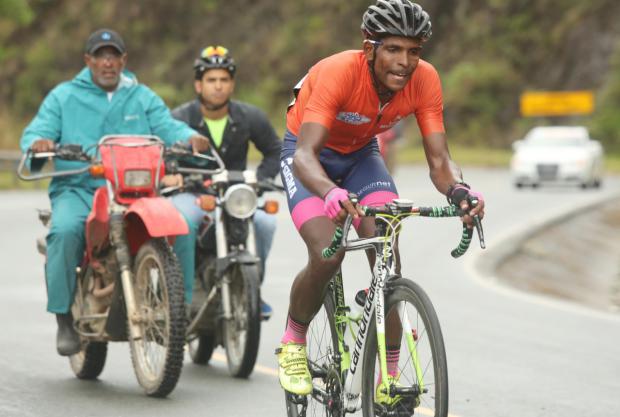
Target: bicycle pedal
{"x":296,"y":398}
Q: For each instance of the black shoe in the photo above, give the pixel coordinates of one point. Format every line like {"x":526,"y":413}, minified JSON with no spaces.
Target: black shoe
{"x":265,"y":311}
{"x":67,"y":339}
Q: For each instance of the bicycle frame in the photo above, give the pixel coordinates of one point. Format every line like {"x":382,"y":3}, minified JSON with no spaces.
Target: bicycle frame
{"x":351,"y":364}
{"x":348,"y":398}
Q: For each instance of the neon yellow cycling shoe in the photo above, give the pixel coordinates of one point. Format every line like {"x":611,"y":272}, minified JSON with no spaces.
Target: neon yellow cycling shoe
{"x":382,"y":395}
{"x":293,"y":368}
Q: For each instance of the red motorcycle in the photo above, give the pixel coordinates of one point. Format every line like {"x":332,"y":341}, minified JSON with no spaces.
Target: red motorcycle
{"x":129,"y":284}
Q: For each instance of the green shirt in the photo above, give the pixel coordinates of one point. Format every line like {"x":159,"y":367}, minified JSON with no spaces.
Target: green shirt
{"x":216,"y":128}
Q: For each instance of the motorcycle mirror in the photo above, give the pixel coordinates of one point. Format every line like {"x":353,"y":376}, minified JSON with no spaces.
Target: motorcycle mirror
{"x":96,"y":170}
{"x":207,"y":202}
{"x":271,"y":206}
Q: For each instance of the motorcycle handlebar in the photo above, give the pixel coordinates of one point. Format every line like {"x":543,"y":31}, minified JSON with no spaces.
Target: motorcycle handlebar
{"x":184,"y":150}
{"x":67,"y":152}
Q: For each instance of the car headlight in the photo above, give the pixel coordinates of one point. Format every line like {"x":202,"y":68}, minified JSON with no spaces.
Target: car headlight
{"x":240,"y":201}
{"x":138,"y":178}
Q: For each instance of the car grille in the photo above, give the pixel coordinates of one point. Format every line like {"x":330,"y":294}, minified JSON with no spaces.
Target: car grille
{"x":547,"y":171}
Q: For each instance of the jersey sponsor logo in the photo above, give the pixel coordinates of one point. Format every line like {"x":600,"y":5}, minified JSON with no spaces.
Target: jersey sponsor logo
{"x":289,"y":180}
{"x":352,"y":118}
{"x":130,"y":117}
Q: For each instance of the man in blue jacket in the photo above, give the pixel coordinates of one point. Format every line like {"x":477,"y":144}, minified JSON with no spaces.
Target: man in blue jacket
{"x":102,"y":99}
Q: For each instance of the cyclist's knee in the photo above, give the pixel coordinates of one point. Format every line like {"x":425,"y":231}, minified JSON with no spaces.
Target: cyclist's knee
{"x":326,"y":265}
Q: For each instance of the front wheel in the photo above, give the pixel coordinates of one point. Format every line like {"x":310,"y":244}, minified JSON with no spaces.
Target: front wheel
{"x":157,"y":355}
{"x":418,"y":368}
{"x":242,"y":329}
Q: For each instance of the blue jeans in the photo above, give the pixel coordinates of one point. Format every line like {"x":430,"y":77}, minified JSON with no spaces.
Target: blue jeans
{"x":185,"y":245}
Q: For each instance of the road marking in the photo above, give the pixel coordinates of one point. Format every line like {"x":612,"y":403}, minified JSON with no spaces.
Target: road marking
{"x":220,"y":357}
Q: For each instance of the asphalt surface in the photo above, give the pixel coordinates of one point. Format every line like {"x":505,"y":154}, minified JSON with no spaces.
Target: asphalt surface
{"x":575,"y":258}
{"x":510,"y":353}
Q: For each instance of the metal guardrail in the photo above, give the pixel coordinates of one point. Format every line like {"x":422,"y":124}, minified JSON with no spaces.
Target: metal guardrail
{"x":8,"y":162}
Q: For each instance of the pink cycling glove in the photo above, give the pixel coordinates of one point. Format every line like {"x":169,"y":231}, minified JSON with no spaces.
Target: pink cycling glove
{"x":332,"y":201}
{"x":460,"y":192}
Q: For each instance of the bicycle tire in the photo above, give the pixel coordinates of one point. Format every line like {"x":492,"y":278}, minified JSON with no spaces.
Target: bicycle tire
{"x":318,"y":351}
{"x":426,"y":326}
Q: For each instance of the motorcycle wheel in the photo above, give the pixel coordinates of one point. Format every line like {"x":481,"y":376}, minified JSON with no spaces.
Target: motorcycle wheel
{"x":242,"y":331}
{"x":89,"y":362}
{"x":157,"y":356}
{"x":201,"y":348}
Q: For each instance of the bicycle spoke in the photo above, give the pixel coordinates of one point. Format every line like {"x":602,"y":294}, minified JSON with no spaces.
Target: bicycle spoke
{"x":413,"y":378}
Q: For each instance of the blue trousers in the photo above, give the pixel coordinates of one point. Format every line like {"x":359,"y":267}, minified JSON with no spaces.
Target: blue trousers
{"x":65,"y":246}
{"x":185,"y":245}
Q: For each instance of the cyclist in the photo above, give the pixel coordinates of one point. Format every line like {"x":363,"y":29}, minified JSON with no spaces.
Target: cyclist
{"x":329,"y":150}
{"x":102,"y":99}
{"x":230,"y":125}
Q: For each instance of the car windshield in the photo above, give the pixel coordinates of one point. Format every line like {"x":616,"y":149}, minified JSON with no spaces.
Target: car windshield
{"x":557,"y":136}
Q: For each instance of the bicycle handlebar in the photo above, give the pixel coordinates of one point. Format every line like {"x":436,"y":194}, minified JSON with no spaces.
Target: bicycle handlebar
{"x":339,"y":239}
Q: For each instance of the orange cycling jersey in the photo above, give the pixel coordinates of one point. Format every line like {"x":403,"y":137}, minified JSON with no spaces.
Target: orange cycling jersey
{"x":338,"y":93}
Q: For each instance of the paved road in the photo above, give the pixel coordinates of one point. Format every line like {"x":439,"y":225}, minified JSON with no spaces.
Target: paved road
{"x":509,"y":354}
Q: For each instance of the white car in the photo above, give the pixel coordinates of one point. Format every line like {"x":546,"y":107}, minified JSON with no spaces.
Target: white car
{"x":557,"y":154}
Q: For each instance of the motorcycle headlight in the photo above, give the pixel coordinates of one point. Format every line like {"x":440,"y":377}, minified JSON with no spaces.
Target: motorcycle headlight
{"x":240,"y":201}
{"x":138,"y":178}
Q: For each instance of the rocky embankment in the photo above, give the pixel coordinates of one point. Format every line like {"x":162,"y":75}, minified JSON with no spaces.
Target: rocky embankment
{"x":577,"y":259}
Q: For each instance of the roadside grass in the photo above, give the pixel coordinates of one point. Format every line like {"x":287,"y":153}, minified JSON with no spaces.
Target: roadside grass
{"x":8,"y":180}
{"x":484,"y":157}
{"x":463,"y":155}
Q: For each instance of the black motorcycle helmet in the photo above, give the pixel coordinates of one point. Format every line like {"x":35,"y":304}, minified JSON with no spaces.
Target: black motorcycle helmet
{"x":396,"y":18}
{"x":213,"y":57}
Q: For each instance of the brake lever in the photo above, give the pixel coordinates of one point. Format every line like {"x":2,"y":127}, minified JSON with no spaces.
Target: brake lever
{"x":478,"y":224}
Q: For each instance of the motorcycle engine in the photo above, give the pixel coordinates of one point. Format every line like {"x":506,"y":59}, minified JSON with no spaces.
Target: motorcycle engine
{"x":95,"y":287}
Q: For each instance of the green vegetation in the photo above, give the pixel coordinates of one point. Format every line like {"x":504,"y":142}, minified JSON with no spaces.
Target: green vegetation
{"x":487,"y":53}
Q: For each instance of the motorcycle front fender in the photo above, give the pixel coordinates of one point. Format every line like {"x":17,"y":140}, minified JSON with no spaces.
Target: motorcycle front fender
{"x":152,"y":217}
{"x":235,"y":257}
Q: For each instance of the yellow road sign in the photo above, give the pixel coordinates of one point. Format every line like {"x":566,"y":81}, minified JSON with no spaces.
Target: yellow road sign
{"x":556,"y":103}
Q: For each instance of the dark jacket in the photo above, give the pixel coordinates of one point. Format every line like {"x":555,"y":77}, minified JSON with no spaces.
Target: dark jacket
{"x":245,"y":123}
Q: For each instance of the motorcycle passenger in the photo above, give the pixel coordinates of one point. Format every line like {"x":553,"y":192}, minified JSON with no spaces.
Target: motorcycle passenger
{"x":330,"y":149}
{"x":103,"y":98}
{"x":230,"y":125}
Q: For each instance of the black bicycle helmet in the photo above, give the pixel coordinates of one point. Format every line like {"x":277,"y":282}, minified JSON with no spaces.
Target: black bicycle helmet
{"x":396,"y":18}
{"x":213,"y":57}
